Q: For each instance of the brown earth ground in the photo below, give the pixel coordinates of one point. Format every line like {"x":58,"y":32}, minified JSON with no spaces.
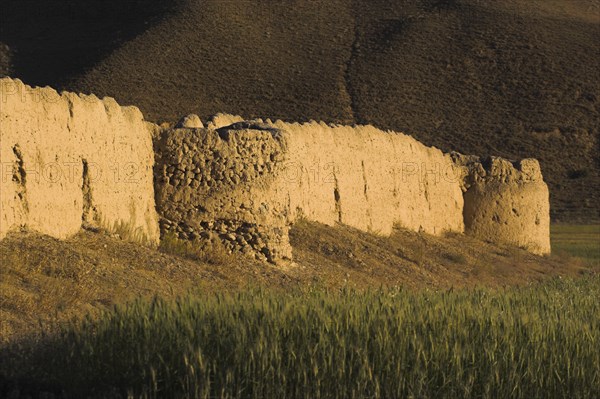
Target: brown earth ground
{"x":514,"y":78}
{"x":43,"y":280}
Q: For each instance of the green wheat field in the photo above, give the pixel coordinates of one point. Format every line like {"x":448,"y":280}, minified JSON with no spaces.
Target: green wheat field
{"x":538,"y":340}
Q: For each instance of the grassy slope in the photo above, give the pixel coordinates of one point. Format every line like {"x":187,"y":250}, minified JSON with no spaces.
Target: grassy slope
{"x":512,"y":77}
{"x":525,"y":342}
{"x":47,"y":279}
{"x":44,"y":280}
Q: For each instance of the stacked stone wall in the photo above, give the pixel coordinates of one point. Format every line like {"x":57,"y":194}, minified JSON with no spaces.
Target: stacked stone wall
{"x":214,"y":185}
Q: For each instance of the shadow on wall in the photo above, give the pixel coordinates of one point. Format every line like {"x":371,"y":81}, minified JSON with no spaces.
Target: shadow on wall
{"x":68,"y":37}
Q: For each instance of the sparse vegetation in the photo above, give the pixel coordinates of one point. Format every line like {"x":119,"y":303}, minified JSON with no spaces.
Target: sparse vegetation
{"x":455,"y":257}
{"x":538,"y":341}
{"x":213,"y":252}
{"x":126,"y":230}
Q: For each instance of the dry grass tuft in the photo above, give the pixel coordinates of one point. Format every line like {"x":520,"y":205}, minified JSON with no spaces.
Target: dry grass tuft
{"x":212,"y":252}
{"x":127,"y":231}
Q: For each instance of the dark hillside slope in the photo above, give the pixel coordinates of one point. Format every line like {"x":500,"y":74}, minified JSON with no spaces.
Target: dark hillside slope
{"x":511,"y":77}
{"x":489,"y":78}
{"x":50,"y":41}
{"x":276,"y":58}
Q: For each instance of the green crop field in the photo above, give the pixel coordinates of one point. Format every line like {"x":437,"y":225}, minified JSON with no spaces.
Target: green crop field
{"x":578,"y":241}
{"x":536,"y":341}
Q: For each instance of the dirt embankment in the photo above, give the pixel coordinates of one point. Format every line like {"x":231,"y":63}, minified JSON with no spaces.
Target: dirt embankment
{"x":42,"y":278}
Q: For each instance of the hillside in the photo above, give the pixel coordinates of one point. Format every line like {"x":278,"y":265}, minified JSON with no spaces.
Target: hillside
{"x":512,"y":78}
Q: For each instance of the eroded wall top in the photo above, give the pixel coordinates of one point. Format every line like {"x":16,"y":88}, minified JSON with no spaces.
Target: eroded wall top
{"x":506,"y":202}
